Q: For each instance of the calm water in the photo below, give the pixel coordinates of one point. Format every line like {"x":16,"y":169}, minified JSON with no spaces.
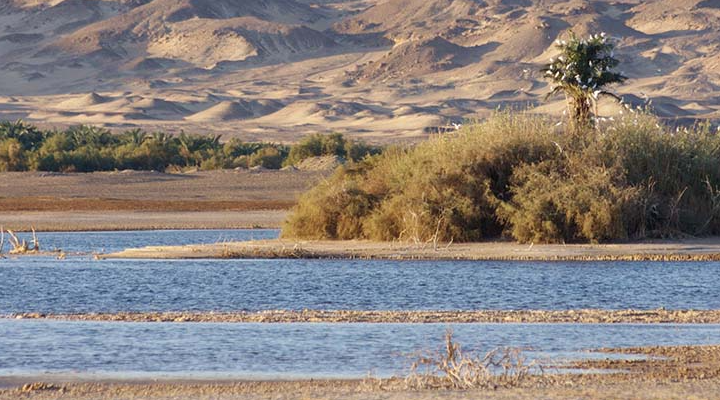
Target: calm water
{"x":97,"y":349}
{"x":108,"y":242}
{"x":84,"y":285}
{"x":291,"y":350}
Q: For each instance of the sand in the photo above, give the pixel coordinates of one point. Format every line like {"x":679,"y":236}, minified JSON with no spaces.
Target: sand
{"x":410,"y":68}
{"x":707,"y":249}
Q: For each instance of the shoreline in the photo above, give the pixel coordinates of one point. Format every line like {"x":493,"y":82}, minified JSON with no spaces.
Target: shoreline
{"x":119,"y":221}
{"x":583,"y":316}
{"x":705,"y":249}
{"x":662,"y":373}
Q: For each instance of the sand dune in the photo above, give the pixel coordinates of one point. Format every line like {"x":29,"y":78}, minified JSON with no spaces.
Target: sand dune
{"x":385,"y":70}
{"x":236,"y":110}
{"x":84,"y":101}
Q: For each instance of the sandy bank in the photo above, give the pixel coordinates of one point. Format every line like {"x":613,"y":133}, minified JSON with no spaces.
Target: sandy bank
{"x":350,"y":316}
{"x":691,"y":250}
{"x":78,"y":221}
{"x":142,"y":200}
{"x":667,"y":377}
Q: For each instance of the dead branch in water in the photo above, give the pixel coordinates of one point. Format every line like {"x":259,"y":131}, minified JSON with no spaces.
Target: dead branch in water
{"x":36,"y":243}
{"x":2,"y":240}
{"x":22,"y":246}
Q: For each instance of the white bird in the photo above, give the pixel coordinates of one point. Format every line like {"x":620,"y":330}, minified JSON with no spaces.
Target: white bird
{"x":456,"y":126}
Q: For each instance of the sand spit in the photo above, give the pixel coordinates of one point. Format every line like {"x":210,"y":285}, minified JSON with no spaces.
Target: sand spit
{"x":414,"y":317}
{"x":691,"y":250}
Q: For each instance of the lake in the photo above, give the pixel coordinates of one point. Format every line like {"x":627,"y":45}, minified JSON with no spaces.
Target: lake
{"x":286,"y":351}
{"x":80,"y":284}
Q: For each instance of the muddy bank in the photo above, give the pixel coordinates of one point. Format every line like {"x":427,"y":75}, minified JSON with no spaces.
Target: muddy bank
{"x":349,"y":316}
{"x":707,"y":249}
{"x":670,"y":373}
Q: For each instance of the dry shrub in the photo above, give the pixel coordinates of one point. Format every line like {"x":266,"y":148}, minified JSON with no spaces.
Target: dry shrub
{"x":565,"y":201}
{"x":451,"y":368}
{"x":446,"y":189}
{"x":334,"y":209}
{"x":518,"y":175}
{"x":677,"y":171}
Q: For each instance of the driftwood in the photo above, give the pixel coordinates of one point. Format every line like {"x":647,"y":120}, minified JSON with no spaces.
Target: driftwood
{"x":22,"y":246}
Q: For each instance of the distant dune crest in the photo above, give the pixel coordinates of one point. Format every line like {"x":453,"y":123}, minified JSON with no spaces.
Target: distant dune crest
{"x":407,"y":67}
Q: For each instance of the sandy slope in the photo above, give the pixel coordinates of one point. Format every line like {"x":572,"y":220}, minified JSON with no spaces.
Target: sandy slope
{"x":279,"y":69}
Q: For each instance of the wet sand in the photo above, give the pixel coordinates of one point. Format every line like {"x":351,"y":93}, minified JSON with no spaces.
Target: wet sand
{"x":706,"y":249}
{"x":683,"y":372}
{"x":350,"y":316}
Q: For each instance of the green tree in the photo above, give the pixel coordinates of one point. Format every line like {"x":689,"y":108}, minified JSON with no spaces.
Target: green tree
{"x":582,"y":72}
{"x":29,"y":136}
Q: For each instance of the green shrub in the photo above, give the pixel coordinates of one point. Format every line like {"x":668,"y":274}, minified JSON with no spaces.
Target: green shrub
{"x":335,"y":144}
{"x":267,"y":157}
{"x":88,"y":148}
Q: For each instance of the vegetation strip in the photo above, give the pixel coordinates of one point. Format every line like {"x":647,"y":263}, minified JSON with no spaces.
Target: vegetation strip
{"x":105,"y":204}
{"x":24,"y":147}
{"x":351,"y":316}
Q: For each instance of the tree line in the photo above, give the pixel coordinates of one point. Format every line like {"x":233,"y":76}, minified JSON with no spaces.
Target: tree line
{"x":83,"y":148}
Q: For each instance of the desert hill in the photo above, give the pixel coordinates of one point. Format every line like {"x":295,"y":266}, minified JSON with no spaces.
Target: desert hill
{"x":386,"y":70}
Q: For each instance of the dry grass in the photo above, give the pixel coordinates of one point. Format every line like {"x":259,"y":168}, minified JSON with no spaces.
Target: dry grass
{"x":451,"y":368}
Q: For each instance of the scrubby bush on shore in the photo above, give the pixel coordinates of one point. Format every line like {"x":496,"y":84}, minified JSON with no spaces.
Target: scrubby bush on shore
{"x":327,"y":145}
{"x":519,"y":176}
{"x":24,"y":147}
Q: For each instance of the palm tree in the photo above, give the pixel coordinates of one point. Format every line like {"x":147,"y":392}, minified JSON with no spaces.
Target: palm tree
{"x":582,"y":71}
{"x":30,"y":137}
{"x":136,"y":136}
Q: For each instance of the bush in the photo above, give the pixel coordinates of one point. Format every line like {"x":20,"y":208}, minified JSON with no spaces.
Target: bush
{"x":445,"y":189}
{"x":267,"y":157}
{"x":12,"y":155}
{"x":329,"y":145}
{"x":567,"y":203}
{"x":516,"y":175}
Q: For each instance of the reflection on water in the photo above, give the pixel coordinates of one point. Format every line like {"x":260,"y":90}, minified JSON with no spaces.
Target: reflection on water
{"x":292,"y":350}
